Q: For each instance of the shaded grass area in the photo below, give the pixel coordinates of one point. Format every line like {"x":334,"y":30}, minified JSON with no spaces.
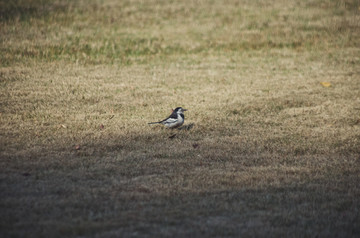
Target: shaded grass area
{"x":23,"y":11}
{"x":272,"y":152}
{"x":147,"y":193}
{"x":276,"y":211}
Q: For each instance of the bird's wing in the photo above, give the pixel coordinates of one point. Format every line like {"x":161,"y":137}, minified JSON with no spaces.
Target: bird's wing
{"x":170,"y":120}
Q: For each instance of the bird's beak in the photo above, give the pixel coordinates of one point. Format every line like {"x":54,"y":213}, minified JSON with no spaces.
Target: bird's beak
{"x":184,"y":109}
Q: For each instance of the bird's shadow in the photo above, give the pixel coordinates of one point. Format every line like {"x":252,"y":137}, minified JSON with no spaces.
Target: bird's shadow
{"x":184,"y":127}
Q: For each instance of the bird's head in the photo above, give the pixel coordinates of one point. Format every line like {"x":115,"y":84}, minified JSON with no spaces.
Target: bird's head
{"x":180,"y":110}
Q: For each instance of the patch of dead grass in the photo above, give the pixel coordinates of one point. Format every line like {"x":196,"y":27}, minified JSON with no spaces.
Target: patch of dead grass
{"x":272,"y":152}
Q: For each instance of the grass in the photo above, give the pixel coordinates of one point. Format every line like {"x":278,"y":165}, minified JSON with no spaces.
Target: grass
{"x":272,"y":152}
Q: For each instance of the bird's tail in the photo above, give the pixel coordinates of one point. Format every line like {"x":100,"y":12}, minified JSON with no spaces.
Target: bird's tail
{"x":154,"y":122}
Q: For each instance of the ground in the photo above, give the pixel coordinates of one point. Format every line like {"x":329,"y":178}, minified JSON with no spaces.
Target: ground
{"x":272,"y":89}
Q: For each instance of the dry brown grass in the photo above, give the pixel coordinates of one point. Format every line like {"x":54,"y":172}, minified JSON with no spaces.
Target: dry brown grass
{"x":272,"y":151}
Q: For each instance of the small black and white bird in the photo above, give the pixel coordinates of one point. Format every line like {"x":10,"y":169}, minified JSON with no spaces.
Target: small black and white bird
{"x":175,"y":120}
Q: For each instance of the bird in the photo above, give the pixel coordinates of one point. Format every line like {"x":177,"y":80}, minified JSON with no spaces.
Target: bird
{"x":175,"y":120}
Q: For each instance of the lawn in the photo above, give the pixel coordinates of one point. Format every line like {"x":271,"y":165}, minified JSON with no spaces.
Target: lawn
{"x":272,"y":90}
